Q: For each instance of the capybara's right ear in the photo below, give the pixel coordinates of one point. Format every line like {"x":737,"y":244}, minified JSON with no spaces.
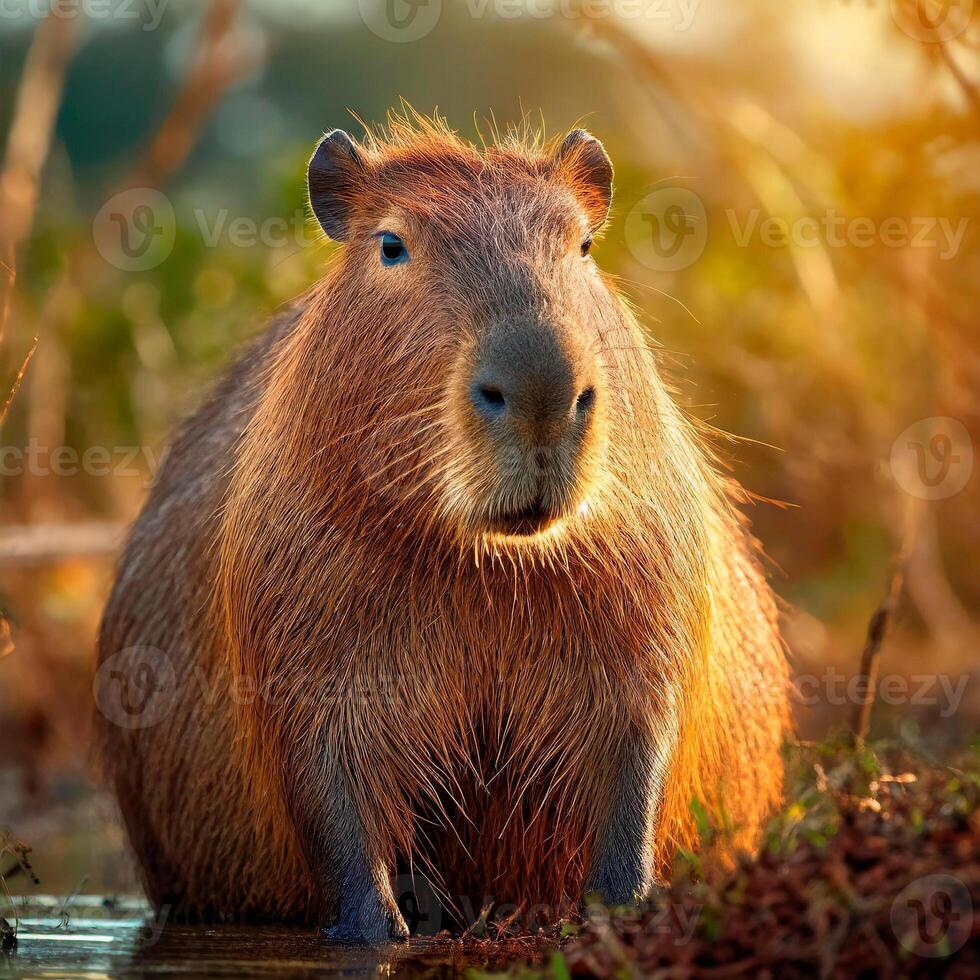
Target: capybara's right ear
{"x":584,"y":159}
{"x":332,"y":177}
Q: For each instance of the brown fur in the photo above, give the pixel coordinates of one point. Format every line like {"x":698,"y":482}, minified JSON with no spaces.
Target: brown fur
{"x":322,"y":532}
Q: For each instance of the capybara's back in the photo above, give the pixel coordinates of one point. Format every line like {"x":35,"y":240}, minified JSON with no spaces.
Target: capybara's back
{"x":440,"y":582}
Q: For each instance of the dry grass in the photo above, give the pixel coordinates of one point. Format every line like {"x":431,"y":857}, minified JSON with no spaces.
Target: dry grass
{"x":872,"y":870}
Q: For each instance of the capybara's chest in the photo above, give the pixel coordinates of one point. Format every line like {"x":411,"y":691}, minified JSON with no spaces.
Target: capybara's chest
{"x":511,"y":816}
{"x":504,"y":754}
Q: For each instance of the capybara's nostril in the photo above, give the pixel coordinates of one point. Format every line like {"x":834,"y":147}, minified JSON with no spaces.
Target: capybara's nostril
{"x":489,"y":399}
{"x":533,"y":378}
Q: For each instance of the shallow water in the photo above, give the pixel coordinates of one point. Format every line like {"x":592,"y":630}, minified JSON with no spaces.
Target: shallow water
{"x":123,"y":939}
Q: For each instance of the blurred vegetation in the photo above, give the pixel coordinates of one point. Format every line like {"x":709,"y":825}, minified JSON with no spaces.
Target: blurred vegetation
{"x":809,"y":359}
{"x":872,"y":869}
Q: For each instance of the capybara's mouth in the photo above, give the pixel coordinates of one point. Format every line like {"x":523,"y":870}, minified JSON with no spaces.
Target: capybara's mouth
{"x":525,"y":521}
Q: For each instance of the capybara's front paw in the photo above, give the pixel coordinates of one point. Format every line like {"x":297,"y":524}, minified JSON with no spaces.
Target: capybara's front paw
{"x":346,"y":934}
{"x":370,"y":925}
{"x":614,"y":887}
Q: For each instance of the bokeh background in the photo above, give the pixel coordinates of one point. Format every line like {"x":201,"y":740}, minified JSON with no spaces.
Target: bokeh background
{"x":797,"y":219}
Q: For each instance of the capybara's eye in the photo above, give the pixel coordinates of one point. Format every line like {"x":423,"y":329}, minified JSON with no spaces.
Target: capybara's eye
{"x":586,"y":245}
{"x":585,"y":400}
{"x":393,"y":249}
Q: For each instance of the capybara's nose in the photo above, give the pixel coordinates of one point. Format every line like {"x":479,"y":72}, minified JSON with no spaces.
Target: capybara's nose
{"x":533,"y":381}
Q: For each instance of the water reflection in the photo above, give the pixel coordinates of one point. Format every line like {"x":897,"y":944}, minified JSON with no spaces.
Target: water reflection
{"x":124,"y":939}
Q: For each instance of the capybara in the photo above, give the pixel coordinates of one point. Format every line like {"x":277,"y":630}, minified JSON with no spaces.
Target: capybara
{"x":440,"y":581}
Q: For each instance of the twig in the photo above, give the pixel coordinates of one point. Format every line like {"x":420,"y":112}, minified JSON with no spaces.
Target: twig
{"x":880,"y":620}
{"x":21,"y":371}
{"x":9,"y":265}
{"x":65,"y":915}
{"x":219,"y":60}
{"x":38,"y":98}
{"x":220,"y":57}
{"x":52,"y":542}
{"x":9,"y":844}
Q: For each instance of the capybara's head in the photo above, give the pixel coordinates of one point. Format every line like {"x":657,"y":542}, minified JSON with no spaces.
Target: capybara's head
{"x":479,"y":317}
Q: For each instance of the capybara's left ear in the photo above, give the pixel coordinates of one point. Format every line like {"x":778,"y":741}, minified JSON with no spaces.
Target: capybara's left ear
{"x":334,"y":172}
{"x":583,"y":161}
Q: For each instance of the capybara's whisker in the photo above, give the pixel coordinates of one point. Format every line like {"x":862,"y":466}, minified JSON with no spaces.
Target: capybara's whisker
{"x":375,"y":426}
